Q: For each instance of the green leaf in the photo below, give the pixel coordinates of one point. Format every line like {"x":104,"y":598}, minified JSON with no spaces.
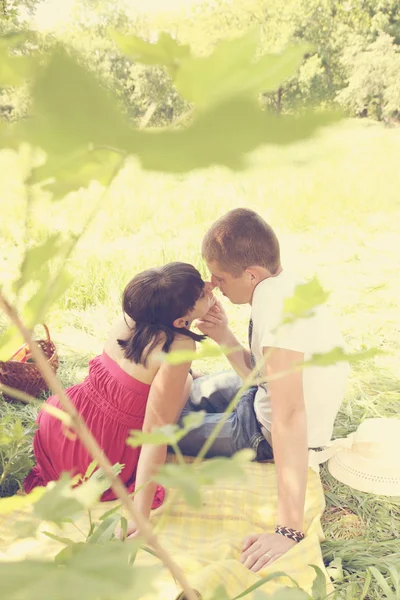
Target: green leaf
{"x":166,"y":51}
{"x":110,"y":512}
{"x":222,"y":135}
{"x":232,"y":70}
{"x":183,"y":477}
{"x":339,"y":355}
{"x":64,"y":174}
{"x":62,"y":501}
{"x":49,"y":292}
{"x":158,"y":437}
{"x":97,"y":571}
{"x":99,"y":482}
{"x":305,"y":297}
{"x":91,"y":469}
{"x":389,"y":593}
{"x":395,"y":577}
{"x":367,"y":584}
{"x":318,"y":591}
{"x":105,"y":530}
{"x":35,"y":263}
{"x":17,"y":503}
{"x":58,"y":503}
{"x":71,"y":109}
{"x":335,"y":569}
{"x":207,"y":350}
{"x":189,"y":478}
{"x":168,"y":434}
{"x":219,"y":593}
{"x":264,"y":580}
{"x":10,"y":340}
{"x":14,"y":69}
{"x":193,"y":420}
{"x":57,"y":538}
{"x":219,"y":468}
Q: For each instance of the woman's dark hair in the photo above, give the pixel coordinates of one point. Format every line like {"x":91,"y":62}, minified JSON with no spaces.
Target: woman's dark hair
{"x":154,"y":299}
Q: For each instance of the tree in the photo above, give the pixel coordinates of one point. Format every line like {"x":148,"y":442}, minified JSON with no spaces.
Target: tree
{"x":374,"y":79}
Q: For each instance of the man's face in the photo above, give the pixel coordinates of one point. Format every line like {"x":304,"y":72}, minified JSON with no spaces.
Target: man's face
{"x":238,"y":290}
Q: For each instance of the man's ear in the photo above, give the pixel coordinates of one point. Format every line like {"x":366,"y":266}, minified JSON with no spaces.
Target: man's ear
{"x":256,"y":274}
{"x":252,"y":274}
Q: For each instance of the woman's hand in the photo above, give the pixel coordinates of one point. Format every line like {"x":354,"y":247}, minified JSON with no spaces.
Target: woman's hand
{"x":214,"y":323}
{"x":131,"y":532}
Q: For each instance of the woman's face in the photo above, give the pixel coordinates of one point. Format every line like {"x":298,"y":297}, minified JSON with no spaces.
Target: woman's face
{"x":204,"y":303}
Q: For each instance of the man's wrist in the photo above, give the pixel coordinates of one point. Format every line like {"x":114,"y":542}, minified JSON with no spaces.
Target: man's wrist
{"x":227,"y":339}
{"x":292,"y":534}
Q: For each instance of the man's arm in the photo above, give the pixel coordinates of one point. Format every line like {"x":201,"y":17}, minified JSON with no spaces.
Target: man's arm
{"x":289,"y":434}
{"x":215,"y":325}
{"x":289,"y":440}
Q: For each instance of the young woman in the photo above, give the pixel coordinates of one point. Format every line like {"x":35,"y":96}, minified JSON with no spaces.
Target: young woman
{"x":128,"y":387}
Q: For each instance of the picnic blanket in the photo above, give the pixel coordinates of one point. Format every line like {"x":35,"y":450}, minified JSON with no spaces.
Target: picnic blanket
{"x":206,"y":543}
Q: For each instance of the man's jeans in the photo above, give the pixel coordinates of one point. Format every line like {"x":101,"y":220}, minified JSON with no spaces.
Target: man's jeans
{"x":213,"y":393}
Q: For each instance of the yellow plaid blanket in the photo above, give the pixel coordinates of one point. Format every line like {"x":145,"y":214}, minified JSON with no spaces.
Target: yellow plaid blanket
{"x":207,"y":543}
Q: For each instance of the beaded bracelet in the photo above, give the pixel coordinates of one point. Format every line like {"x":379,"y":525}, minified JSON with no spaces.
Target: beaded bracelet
{"x":292,"y":534}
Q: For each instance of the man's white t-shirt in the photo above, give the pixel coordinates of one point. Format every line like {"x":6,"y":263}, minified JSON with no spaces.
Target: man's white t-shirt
{"x":323,"y":387}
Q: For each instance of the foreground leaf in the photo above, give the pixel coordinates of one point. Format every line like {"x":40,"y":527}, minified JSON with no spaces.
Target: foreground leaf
{"x":318,"y":591}
{"x":49,"y":292}
{"x":232,"y":70}
{"x":207,"y":350}
{"x":71,"y":109}
{"x":10,"y":340}
{"x":185,"y":478}
{"x":166,"y":51}
{"x":305,"y":297}
{"x":340,"y":355}
{"x":36,"y":259}
{"x":189,"y":478}
{"x":17,"y":503}
{"x":63,"y":501}
{"x":99,"y":572}
{"x":61,"y":175}
{"x":58,"y":503}
{"x":222,"y":135}
{"x":168,"y":434}
{"x":266,"y":579}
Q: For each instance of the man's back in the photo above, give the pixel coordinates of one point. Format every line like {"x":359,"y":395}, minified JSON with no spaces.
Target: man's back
{"x":323,"y":387}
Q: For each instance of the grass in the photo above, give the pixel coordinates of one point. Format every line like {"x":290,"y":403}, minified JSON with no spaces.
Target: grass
{"x":334,"y":204}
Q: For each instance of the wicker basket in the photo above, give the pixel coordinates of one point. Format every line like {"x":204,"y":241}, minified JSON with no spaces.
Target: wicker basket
{"x":24,"y":375}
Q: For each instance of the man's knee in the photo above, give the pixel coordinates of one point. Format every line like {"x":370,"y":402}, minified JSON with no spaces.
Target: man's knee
{"x":215,"y":391}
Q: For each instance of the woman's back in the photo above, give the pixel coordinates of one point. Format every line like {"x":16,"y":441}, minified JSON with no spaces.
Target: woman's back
{"x":122,"y":330}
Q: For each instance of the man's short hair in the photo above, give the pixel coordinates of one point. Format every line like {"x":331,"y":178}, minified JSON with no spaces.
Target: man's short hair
{"x":240,"y":239}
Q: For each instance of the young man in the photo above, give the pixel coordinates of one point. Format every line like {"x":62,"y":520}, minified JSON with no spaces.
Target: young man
{"x":295,"y":410}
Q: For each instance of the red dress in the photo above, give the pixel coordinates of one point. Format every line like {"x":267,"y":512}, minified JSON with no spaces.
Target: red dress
{"x":112,"y":403}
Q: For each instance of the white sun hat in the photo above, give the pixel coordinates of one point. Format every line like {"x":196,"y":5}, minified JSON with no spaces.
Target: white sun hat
{"x":368,"y":459}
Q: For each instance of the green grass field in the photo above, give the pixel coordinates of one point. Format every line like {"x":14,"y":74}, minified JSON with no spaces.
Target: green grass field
{"x":334,"y":202}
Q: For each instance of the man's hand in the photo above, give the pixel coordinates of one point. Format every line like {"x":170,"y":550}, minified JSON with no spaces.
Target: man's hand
{"x":214,"y":323}
{"x":262,"y":549}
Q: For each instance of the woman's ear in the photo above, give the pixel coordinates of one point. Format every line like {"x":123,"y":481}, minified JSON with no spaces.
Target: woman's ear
{"x":181,"y":323}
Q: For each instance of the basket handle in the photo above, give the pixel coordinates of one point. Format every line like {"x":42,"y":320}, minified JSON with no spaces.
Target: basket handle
{"x":47,"y":332}
{"x":26,"y":345}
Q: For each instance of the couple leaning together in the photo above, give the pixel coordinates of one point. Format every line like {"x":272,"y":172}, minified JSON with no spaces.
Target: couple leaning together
{"x":128,"y":388}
